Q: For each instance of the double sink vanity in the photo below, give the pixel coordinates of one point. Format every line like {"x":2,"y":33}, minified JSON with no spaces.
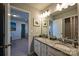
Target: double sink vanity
{"x":46,"y":47}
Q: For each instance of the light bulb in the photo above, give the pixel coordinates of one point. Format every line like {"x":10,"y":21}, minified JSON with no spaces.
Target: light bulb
{"x":40,"y":16}
{"x":14,"y":16}
{"x":45,"y":13}
{"x":64,"y":5}
{"x":58,"y":7}
{"x":9,"y":14}
{"x":48,"y":13}
{"x":71,"y":4}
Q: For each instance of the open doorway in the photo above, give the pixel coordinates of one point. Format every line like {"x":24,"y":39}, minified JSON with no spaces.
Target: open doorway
{"x":19,"y":32}
{"x":23,"y":30}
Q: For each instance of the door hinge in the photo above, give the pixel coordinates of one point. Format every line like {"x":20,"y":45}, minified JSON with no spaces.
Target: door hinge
{"x":5,"y":46}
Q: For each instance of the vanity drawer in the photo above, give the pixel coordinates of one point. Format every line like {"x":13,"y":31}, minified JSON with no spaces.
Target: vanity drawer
{"x":51,"y":51}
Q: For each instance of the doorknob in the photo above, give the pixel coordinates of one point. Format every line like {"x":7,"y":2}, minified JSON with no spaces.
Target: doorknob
{"x":5,"y":46}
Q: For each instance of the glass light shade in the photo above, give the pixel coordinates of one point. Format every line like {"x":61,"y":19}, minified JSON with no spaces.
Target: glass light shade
{"x":9,"y":14}
{"x":48,"y":13}
{"x":71,"y":4}
{"x":58,"y":7}
{"x":14,"y":15}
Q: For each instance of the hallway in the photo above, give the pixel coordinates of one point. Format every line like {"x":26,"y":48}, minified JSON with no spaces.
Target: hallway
{"x":19,"y":47}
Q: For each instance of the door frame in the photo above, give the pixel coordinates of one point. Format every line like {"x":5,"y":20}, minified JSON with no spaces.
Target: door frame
{"x":28,"y":19}
{"x":7,"y":28}
{"x":7,"y":41}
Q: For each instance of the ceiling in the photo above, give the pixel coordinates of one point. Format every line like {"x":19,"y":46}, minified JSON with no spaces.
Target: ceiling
{"x":39,"y":6}
{"x":22,"y":16}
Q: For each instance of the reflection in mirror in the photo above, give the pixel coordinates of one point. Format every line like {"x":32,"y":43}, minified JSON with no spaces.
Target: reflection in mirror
{"x":50,"y":29}
{"x":71,"y":30}
{"x":55,"y":28}
{"x":65,"y":30}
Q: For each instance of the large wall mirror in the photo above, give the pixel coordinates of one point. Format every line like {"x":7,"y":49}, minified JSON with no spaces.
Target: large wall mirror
{"x":63,"y":26}
{"x":65,"y":30}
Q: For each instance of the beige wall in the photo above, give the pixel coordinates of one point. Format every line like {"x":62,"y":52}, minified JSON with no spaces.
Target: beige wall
{"x":33,"y":30}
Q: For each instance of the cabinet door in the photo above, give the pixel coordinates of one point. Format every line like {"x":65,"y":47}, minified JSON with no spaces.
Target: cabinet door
{"x":43,"y":49}
{"x":54,"y":52}
{"x":50,"y":51}
{"x":37,"y":47}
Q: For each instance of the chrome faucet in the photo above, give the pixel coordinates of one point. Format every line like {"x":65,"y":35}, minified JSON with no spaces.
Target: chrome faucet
{"x":75,"y":43}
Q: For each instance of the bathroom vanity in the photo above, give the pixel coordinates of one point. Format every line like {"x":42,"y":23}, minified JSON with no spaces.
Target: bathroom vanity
{"x":47,"y":47}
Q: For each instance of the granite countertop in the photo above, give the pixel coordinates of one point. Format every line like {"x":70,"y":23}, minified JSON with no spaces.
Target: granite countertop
{"x":56,"y":44}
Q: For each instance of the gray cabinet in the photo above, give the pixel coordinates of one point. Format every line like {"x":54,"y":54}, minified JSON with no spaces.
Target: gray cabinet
{"x":43,"y":49}
{"x":37,"y":47}
{"x":54,"y":52}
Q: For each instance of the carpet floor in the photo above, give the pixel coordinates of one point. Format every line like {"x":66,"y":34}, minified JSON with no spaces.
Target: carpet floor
{"x":19,"y":47}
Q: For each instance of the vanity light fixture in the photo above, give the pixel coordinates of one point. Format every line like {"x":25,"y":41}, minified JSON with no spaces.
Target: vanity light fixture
{"x":58,"y":7}
{"x":45,"y":14}
{"x":61,"y":6}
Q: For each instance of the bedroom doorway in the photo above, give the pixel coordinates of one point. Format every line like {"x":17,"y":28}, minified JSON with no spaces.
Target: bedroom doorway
{"x":22,"y":30}
{"x":19,"y":31}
